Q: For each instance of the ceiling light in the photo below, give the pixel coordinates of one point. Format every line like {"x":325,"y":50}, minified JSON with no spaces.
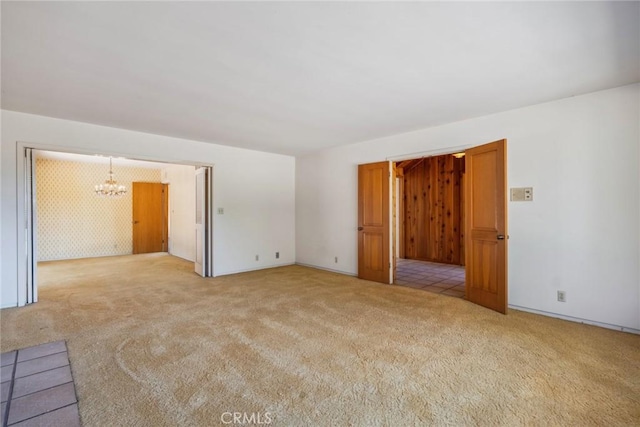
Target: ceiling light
{"x":458,"y":155}
{"x":110,"y":188}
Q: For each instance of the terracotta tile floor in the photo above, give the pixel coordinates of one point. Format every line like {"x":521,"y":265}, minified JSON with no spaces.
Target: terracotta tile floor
{"x":443,"y":279}
{"x":37,"y":387}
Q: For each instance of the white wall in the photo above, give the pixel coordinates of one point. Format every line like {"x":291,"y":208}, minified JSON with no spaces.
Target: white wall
{"x":256,"y":189}
{"x":581,"y":232}
{"x":182,"y":210}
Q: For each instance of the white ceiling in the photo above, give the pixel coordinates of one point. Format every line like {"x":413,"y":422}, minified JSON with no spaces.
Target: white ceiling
{"x":295,"y":77}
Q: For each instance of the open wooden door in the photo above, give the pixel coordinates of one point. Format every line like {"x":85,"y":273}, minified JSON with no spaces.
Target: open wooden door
{"x":374,"y":222}
{"x":150,"y":217}
{"x":400,"y":240}
{"x":486,"y":225}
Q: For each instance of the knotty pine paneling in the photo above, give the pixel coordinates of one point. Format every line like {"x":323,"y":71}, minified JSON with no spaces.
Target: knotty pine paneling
{"x":433,"y":210}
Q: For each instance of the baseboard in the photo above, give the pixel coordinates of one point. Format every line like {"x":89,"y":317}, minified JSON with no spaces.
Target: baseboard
{"x":263,"y":267}
{"x":8,"y":306}
{"x":181,"y":257}
{"x":515,"y":307}
{"x":326,"y":269}
{"x":577,"y":319}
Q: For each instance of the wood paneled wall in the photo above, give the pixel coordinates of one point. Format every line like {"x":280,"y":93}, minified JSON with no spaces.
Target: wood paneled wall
{"x":434,"y":209}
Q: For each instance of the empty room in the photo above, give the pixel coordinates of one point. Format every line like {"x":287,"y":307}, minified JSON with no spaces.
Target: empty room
{"x":367,"y":213}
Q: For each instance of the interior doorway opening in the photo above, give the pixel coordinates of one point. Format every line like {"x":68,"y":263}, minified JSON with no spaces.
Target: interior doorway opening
{"x":118,"y":221}
{"x":484,"y":248}
{"x":429,"y":224}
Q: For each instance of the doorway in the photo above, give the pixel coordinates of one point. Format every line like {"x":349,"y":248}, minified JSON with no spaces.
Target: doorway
{"x":484,"y":245}
{"x":91,"y":244}
{"x":429,"y":206}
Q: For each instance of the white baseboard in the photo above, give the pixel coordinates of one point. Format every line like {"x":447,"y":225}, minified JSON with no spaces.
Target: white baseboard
{"x":262,"y":267}
{"x":577,"y":319}
{"x":326,"y":269}
{"x":516,"y":307}
{"x":181,"y":257}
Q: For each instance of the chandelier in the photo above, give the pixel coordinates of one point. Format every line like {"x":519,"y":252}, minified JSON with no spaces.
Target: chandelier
{"x":110,"y":188}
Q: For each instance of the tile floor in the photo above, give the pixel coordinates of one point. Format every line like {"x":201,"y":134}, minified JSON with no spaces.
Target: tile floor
{"x":37,"y":387}
{"x":443,"y":279}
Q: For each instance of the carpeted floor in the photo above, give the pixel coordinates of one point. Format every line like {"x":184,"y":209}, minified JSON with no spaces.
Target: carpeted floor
{"x":152,"y":344}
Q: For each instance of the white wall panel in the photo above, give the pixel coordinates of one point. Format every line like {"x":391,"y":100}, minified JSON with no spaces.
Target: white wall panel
{"x":256,"y":189}
{"x":581,"y":232}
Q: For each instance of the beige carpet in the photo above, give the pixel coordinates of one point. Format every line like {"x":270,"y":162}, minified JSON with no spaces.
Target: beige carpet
{"x":152,"y":344}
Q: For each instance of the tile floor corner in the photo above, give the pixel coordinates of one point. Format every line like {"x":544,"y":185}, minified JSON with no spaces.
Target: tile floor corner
{"x":37,"y":387}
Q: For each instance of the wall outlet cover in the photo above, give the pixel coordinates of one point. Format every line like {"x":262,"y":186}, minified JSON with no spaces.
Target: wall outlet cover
{"x":562,"y":296}
{"x":522,"y":194}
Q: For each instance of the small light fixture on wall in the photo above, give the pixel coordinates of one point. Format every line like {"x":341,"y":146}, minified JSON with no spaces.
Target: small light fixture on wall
{"x":458,"y":155}
{"x":110,"y":188}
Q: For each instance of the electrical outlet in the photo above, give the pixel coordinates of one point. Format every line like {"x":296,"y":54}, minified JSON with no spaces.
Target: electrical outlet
{"x":336,"y":260}
{"x":277,"y":255}
{"x":257,"y":257}
{"x":523,"y":194}
{"x":562,"y":296}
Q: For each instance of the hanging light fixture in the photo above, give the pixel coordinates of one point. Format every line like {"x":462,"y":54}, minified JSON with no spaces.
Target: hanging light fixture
{"x":110,"y":188}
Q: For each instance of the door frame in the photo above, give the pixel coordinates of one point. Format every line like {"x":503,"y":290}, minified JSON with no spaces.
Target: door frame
{"x":443,"y":152}
{"x":27,"y":285}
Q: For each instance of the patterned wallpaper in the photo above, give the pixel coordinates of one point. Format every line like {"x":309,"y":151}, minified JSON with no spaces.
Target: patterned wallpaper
{"x":75,"y":223}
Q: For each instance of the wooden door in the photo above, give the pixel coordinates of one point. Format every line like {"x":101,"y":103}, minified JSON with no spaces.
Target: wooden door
{"x":486,"y":225}
{"x":374,"y":226}
{"x":394,"y":223}
{"x":400,"y":212}
{"x":150,"y":217}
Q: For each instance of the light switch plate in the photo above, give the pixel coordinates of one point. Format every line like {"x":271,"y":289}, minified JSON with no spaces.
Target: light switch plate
{"x":522,"y":194}
{"x":220,"y":211}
